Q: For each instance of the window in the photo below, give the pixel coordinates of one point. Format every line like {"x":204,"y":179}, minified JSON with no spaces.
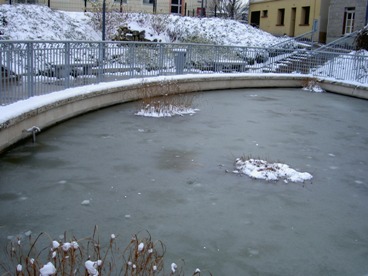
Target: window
{"x":305,"y":16}
{"x":176,"y":6}
{"x":148,"y":1}
{"x":265,"y":13}
{"x":349,"y":17}
{"x":255,"y":18}
{"x":280,"y":17}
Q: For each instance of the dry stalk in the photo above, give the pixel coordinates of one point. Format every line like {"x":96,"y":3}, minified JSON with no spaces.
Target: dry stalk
{"x":163,"y":97}
{"x":142,"y":256}
{"x":309,"y":82}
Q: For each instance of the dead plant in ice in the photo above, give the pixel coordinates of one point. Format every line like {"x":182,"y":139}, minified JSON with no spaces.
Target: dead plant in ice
{"x":311,"y":84}
{"x":71,"y":256}
{"x":163,"y":100}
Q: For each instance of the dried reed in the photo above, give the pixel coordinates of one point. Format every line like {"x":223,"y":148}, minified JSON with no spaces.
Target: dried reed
{"x":86,"y":256}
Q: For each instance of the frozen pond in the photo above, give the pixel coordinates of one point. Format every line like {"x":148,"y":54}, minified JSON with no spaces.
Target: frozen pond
{"x":168,"y":176}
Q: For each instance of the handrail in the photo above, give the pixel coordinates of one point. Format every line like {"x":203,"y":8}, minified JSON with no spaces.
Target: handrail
{"x":338,"y":42}
{"x":293,"y":39}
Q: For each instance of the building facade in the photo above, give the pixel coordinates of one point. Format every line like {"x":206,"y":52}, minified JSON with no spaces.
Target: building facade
{"x":290,"y":17}
{"x":346,"y":17}
{"x":183,"y":7}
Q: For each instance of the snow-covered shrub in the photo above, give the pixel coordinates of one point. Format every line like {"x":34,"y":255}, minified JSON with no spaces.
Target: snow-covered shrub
{"x":159,"y":22}
{"x":254,"y":55}
{"x":196,"y":39}
{"x":112,"y":17}
{"x":262,"y":56}
{"x":361,"y":41}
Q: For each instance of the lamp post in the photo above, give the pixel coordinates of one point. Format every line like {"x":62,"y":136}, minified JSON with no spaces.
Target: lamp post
{"x":202,"y":13}
{"x":103,"y":20}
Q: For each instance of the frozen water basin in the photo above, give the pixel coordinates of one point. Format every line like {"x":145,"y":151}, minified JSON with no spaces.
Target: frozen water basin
{"x":128,"y":173}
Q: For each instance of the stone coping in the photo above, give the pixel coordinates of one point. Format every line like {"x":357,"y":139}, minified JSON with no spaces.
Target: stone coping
{"x":47,"y":110}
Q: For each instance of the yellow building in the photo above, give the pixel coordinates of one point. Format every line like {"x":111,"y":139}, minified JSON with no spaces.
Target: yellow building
{"x":290,"y":17}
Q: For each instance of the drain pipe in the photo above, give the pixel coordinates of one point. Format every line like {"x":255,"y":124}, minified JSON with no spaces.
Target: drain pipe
{"x":33,"y":130}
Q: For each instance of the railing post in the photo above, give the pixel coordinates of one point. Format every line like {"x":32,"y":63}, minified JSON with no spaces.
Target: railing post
{"x":161,"y":59}
{"x":30,"y":73}
{"x":8,"y":61}
{"x":101,"y":56}
{"x":332,"y":61}
{"x":67,"y":65}
{"x":188,"y":57}
{"x":358,"y":62}
{"x":216,"y":59}
{"x":132,"y":58}
{"x":1,"y":74}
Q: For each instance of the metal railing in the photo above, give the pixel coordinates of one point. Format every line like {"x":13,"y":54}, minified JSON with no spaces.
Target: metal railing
{"x":344,"y":44}
{"x":303,"y":41}
{"x":30,"y":68}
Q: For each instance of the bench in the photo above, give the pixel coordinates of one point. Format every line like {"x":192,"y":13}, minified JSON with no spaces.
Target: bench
{"x":75,"y":69}
{"x":230,"y":66}
{"x":8,"y":76}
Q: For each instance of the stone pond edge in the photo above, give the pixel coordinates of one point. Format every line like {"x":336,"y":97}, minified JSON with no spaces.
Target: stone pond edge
{"x":47,"y":110}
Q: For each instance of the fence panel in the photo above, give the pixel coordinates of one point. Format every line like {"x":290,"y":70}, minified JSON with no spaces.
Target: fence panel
{"x":32,"y":68}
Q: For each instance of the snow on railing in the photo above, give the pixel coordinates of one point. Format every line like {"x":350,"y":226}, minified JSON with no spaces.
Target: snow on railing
{"x":30,"y":68}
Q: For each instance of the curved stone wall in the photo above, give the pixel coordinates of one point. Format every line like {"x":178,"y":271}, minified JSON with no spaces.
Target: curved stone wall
{"x":45,"y":111}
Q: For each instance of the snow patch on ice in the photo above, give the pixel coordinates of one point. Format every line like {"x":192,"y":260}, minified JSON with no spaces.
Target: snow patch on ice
{"x":260,"y":169}
{"x":86,"y":202}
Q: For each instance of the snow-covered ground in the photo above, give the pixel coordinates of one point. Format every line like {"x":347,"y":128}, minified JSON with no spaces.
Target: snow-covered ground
{"x":33,"y":22}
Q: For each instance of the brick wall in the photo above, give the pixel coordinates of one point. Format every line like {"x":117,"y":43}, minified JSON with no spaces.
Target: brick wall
{"x":336,"y":17}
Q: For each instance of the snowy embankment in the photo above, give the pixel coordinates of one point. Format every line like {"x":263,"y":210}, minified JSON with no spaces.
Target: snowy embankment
{"x":34,"y":22}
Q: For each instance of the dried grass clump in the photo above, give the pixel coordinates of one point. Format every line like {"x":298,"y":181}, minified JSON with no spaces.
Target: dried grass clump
{"x":164,"y":99}
{"x":311,"y":84}
{"x":70,"y":256}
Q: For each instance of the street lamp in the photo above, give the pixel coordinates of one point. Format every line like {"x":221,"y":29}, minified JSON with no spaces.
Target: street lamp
{"x":202,"y":6}
{"x":103,"y":20}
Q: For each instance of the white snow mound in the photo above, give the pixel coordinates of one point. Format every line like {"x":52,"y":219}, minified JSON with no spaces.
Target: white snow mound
{"x":260,"y":169}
